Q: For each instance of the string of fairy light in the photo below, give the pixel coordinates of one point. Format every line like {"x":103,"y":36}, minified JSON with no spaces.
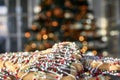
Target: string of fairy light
{"x":64,"y":22}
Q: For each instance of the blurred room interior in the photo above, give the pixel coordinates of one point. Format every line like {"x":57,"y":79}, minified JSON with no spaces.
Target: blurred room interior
{"x":19,"y":24}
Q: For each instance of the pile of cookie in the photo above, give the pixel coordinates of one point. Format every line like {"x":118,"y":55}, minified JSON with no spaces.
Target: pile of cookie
{"x":63,"y":61}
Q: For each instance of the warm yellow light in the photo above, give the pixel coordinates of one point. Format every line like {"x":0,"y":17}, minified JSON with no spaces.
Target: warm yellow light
{"x":27,"y":34}
{"x":38,"y":37}
{"x":94,"y":52}
{"x":51,"y":35}
{"x":85,"y":48}
{"x":48,"y":14}
{"x":54,"y":23}
{"x":81,"y":38}
{"x":34,"y":27}
{"x":45,"y":36}
{"x":33,"y":45}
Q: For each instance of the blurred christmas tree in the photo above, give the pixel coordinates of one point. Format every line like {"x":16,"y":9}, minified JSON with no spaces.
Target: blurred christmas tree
{"x":64,"y":20}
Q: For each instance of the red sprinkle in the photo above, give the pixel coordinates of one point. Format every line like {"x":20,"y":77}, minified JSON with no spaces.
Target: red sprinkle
{"x":54,"y":70}
{"x":56,"y":77}
{"x":119,"y":74}
{"x":42,"y":70}
{"x":72,"y":57}
{"x":27,"y":61}
{"x":62,"y":61}
{"x":97,"y":78}
{"x":16,"y":76}
{"x":5,"y":77}
{"x":17,"y":70}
